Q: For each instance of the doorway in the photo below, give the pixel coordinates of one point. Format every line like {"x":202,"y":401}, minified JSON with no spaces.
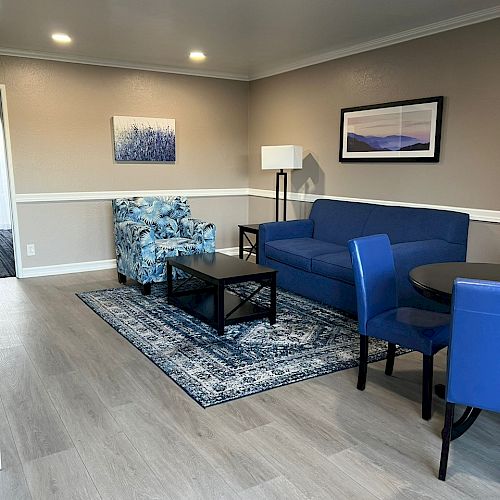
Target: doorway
{"x":7,"y":258}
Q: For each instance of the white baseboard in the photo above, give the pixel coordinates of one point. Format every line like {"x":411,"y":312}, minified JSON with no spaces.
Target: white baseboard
{"x":74,"y":267}
{"x":234,"y":251}
{"x":81,"y":267}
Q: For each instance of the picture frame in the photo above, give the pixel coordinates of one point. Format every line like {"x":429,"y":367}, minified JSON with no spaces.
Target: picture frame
{"x":399,"y":131}
{"x":144,"y":140}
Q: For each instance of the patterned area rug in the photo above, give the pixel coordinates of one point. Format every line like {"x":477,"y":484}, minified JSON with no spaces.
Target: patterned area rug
{"x":309,"y":339}
{"x":7,"y":264}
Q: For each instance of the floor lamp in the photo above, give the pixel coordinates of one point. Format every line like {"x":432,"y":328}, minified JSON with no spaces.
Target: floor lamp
{"x":281,"y":158}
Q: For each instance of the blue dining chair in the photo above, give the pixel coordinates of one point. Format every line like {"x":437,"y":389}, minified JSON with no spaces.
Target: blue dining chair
{"x":379,"y":315}
{"x":473,"y":365}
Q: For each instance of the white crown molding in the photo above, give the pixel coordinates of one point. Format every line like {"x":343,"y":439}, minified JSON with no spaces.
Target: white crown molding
{"x":476,"y":214}
{"x":110,"y":63}
{"x":403,"y":36}
{"x":111,"y":195}
{"x":378,"y":43}
{"x":82,"y":267}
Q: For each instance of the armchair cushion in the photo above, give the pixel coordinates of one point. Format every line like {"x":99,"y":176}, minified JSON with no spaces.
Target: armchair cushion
{"x":172,"y":247}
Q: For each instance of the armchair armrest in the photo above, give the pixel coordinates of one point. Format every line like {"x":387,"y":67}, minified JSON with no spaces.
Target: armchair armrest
{"x":200,"y":231}
{"x":135,"y":241}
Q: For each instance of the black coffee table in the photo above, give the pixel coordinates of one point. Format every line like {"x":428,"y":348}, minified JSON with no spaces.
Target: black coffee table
{"x":212,"y":302}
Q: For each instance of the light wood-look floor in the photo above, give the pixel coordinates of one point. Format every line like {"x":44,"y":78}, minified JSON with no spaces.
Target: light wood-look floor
{"x":85,"y":415}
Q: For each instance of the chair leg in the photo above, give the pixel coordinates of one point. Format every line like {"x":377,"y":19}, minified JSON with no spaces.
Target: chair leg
{"x":427,"y":387}
{"x":146,"y":289}
{"x":446,"y":434}
{"x":391,"y":354}
{"x":122,"y":278}
{"x":363,"y":361}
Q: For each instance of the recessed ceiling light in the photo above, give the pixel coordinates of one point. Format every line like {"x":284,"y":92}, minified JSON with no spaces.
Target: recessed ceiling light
{"x":61,"y":38}
{"x":197,"y":55}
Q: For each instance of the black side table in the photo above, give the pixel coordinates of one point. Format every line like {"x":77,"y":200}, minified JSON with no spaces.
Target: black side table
{"x":253,"y":248}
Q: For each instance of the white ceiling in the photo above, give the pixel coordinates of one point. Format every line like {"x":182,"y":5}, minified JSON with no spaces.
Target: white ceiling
{"x":243,"y":39}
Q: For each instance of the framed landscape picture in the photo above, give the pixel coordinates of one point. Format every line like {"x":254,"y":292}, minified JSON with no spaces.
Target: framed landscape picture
{"x":139,"y":139}
{"x":400,"y":131}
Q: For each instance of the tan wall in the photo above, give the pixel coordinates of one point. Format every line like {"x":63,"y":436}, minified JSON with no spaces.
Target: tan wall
{"x":69,"y":232}
{"x":303,"y":107}
{"x":60,"y":126}
{"x":61,"y":134}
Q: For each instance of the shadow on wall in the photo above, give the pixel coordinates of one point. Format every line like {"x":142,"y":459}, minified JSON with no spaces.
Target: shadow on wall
{"x":309,"y":180}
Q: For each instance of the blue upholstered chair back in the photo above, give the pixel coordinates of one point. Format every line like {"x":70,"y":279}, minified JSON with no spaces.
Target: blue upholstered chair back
{"x":162,"y":214}
{"x":374,"y":276}
{"x":474,"y":351}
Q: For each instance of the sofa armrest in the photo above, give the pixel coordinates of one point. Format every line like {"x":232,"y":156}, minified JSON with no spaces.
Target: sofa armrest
{"x":135,"y":242}
{"x":269,"y":231}
{"x":200,"y":231}
{"x":302,"y":228}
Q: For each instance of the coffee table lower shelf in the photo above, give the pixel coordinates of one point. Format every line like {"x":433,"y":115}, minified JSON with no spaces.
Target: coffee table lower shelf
{"x":203,"y":305}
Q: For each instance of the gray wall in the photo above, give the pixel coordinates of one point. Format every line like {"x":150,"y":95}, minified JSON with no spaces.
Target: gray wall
{"x":303,"y":107}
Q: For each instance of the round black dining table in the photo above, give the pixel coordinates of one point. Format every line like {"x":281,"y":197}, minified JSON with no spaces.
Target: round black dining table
{"x":435,"y":281}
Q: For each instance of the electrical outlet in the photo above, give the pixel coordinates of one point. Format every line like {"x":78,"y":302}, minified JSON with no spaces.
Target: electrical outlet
{"x":30,"y":249}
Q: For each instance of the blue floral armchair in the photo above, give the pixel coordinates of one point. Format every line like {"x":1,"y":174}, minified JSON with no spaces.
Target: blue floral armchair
{"x":151,"y":229}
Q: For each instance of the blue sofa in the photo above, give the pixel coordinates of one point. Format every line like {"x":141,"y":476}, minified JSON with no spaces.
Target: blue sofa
{"x":312,"y":258}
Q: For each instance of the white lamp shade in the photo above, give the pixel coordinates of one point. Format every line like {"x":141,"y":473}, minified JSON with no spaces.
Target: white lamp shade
{"x":281,"y":157}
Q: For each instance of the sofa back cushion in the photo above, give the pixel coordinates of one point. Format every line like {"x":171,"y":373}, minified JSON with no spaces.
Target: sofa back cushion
{"x":403,"y":224}
{"x":162,"y":214}
{"x":339,"y":221}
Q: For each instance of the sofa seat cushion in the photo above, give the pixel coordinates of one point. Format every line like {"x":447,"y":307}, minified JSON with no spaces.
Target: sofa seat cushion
{"x":334,"y":265}
{"x":173,"y":247}
{"x":298,"y":252}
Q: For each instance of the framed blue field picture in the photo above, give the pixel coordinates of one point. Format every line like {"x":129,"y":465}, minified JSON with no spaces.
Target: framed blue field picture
{"x":400,"y":131}
{"x":140,"y":139}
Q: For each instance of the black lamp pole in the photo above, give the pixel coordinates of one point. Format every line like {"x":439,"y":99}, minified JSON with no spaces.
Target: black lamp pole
{"x":285,"y":180}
